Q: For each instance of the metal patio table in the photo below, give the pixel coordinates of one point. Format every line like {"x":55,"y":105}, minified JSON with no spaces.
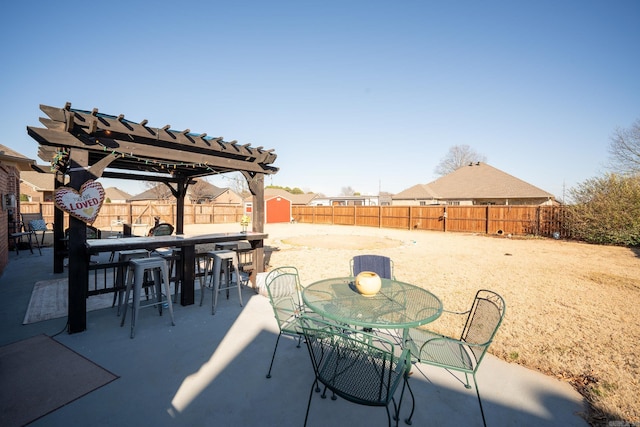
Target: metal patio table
{"x":397,"y":305}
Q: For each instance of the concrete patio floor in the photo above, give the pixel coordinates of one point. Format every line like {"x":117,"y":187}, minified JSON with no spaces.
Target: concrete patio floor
{"x":210,"y":370}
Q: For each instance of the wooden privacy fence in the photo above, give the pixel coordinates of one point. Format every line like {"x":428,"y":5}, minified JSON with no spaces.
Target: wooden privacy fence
{"x":145,"y":213}
{"x":489,"y":219}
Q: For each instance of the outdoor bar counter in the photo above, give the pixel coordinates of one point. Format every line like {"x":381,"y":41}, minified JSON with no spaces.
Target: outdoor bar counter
{"x":186,"y":243}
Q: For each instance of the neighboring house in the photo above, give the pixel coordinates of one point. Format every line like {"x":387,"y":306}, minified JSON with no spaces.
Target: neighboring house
{"x":37,"y":186}
{"x":346,"y":201}
{"x":203,"y":193}
{"x":157,"y":192}
{"x":115,"y":195}
{"x":12,"y":165}
{"x":474,"y":184}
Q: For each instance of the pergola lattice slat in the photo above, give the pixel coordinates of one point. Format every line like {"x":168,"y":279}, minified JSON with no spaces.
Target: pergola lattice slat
{"x":188,"y":154}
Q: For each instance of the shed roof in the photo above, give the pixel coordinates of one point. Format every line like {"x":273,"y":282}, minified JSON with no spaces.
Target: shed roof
{"x":296,"y":199}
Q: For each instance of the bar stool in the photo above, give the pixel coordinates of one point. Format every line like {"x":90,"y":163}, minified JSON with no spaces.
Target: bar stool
{"x":121,"y":273}
{"x":137,"y":269}
{"x":174,"y":257}
{"x":219,"y":263}
{"x":244,"y":253}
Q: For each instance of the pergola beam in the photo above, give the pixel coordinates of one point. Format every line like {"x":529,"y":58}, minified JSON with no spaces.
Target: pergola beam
{"x":168,"y":157}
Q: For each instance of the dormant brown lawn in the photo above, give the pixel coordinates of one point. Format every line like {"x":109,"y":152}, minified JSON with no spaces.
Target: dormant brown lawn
{"x":571,"y":307}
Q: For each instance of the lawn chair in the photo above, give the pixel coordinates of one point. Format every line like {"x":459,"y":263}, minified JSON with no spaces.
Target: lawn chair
{"x":359,"y":367}
{"x":35,"y":223}
{"x":91,"y":233}
{"x":162,"y":229}
{"x":284,"y":290}
{"x":466,"y":353}
{"x":379,"y":264}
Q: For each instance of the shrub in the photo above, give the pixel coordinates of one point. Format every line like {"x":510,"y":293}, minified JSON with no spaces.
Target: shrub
{"x":606,"y":210}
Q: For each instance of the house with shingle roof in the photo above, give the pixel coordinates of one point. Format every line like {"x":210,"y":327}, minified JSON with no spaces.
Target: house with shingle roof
{"x":37,"y":186}
{"x":202,"y":192}
{"x":474,"y":184}
{"x":116,"y":195}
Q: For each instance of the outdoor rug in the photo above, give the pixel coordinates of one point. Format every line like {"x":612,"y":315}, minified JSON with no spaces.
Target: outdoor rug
{"x":39,"y":375}
{"x":49,"y":300}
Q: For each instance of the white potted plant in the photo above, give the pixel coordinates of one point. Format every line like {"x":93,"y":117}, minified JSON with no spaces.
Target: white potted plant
{"x":244,"y":222}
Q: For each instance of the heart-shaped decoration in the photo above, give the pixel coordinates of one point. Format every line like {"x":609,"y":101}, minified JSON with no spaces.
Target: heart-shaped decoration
{"x":85,"y":204}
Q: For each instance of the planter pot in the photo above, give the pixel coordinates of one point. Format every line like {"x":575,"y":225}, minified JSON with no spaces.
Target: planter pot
{"x":368,"y":283}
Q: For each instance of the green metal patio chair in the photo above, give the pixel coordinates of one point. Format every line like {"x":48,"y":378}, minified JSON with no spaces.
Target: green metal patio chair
{"x":284,"y":289}
{"x":466,"y":353}
{"x":360,"y":367}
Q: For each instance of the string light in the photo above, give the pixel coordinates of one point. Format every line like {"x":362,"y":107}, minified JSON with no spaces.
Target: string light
{"x":61,"y":158}
{"x":60,"y":161}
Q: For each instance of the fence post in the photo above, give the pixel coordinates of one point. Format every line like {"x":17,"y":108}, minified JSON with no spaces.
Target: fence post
{"x":486,"y":222}
{"x":444,"y":219}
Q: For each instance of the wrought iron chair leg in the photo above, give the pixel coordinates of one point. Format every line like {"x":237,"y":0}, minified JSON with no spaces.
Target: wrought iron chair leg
{"x":479,"y":400}
{"x":467,"y":384}
{"x":413,"y":403}
{"x":313,"y":387}
{"x":274,"y":355}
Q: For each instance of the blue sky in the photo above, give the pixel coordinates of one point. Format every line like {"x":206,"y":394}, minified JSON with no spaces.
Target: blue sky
{"x":366,"y":94}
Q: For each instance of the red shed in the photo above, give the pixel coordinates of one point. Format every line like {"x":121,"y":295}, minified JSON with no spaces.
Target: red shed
{"x":278,"y":209}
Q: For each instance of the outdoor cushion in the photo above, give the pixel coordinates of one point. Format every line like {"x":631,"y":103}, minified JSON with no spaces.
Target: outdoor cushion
{"x":37,"y":225}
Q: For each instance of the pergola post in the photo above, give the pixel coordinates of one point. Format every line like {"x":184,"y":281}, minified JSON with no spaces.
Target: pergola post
{"x":78,"y":257}
{"x":59,"y":246}
{"x":256,"y":186}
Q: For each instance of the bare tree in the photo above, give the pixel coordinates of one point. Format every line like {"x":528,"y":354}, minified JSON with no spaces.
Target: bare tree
{"x":239,"y":184}
{"x":348,"y":191}
{"x":624,"y":150}
{"x":200,"y":191}
{"x":458,"y":156}
{"x":160,"y":191}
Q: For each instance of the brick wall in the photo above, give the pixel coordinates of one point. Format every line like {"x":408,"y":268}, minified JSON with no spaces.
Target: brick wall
{"x":9,"y":184}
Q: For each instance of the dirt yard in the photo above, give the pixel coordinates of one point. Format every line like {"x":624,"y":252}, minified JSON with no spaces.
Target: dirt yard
{"x":570,"y":306}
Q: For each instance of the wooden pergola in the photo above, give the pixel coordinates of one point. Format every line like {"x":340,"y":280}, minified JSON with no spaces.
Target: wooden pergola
{"x":89,"y":145}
